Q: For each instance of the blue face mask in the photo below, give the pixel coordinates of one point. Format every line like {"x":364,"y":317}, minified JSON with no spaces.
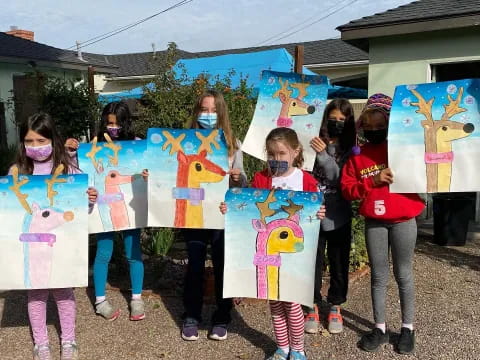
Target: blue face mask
{"x":207,"y":120}
{"x":278,"y":167}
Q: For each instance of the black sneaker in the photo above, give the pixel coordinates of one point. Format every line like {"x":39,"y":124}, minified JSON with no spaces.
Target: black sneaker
{"x":372,"y":340}
{"x":406,"y":341}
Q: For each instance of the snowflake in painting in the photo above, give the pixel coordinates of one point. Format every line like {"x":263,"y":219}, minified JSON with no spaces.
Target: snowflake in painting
{"x":451,"y":89}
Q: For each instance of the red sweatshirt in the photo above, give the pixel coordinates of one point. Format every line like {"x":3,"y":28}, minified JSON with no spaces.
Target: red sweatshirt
{"x":263,"y":180}
{"x":377,"y":201}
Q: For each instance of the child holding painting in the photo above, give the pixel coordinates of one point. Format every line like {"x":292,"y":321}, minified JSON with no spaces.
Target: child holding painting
{"x":285,"y":158}
{"x":40,"y":152}
{"x":333,"y":147}
{"x":210,"y":112}
{"x":389,"y":223}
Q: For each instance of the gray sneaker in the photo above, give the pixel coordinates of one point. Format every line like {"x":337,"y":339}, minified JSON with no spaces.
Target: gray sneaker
{"x":107,"y":311}
{"x":312,"y":321}
{"x":335,"y":321}
{"x":69,"y":350}
{"x":42,"y":352}
{"x":137,"y":309}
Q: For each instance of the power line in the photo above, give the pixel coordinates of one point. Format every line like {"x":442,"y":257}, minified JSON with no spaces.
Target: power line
{"x":126,"y":27}
{"x":306,"y":26}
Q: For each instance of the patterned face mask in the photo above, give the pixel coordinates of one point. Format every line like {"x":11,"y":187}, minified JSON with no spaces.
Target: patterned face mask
{"x":278,"y":167}
{"x":39,"y":153}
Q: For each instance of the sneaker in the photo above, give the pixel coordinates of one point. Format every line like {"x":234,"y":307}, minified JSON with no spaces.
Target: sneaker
{"x":219,"y":332}
{"x":69,"y":350}
{"x":107,"y":311}
{"x":335,"y":320}
{"x":312,"y":321}
{"x":190,"y":329}
{"x":137,"y":309}
{"x":297,"y":355}
{"x":372,"y":340}
{"x":278,"y":355}
{"x":42,"y":352}
{"x":406,"y":341}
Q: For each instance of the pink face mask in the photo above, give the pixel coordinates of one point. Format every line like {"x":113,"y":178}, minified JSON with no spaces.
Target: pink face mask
{"x":39,"y":153}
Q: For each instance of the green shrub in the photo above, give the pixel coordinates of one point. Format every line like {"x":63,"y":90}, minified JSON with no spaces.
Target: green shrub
{"x":158,"y":241}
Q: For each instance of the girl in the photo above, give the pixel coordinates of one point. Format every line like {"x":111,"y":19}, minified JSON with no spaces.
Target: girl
{"x":40,"y":151}
{"x":116,"y":122}
{"x":210,"y":112}
{"x":285,"y":158}
{"x":389,"y":222}
{"x":337,"y":137}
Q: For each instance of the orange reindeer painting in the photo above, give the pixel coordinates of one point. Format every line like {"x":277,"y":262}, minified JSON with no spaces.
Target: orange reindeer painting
{"x":193,"y":170}
{"x":292,"y":106}
{"x":438,"y":137}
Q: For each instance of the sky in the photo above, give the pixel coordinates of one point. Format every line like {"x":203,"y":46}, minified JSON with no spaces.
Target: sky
{"x":200,"y":25}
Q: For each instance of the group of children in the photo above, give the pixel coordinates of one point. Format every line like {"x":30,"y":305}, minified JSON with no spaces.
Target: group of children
{"x":344,"y":171}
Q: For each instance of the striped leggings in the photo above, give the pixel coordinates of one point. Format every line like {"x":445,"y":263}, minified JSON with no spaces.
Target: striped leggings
{"x":37,"y":313}
{"x":288,"y":324}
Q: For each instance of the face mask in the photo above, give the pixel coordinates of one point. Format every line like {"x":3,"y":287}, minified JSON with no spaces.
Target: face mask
{"x":278,"y":167}
{"x":335,"y":128}
{"x":207,"y":120}
{"x":39,"y":153}
{"x":113,"y":131}
{"x":375,"y":136}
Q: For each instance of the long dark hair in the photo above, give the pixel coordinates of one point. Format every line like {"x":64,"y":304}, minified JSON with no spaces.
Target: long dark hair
{"x":347,"y":138}
{"x":122,"y":113}
{"x":223,"y":121}
{"x":43,"y":124}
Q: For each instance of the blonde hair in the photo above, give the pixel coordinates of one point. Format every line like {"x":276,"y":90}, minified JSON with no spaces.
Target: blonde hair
{"x":223,"y":121}
{"x":289,"y":137}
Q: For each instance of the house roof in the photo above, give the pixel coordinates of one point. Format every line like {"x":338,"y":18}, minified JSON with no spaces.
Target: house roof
{"x":25,"y":50}
{"x":315,"y":52}
{"x":417,"y":11}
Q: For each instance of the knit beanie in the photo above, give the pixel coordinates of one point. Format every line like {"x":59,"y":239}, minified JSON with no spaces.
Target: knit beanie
{"x":379,"y":101}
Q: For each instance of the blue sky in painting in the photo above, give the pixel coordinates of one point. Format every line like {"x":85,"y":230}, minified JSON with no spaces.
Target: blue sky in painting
{"x":405,"y":124}
{"x":71,"y":195}
{"x":268,"y":107}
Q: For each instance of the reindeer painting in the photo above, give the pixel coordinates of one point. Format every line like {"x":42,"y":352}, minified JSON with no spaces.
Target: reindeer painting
{"x":433,"y":138}
{"x":43,"y":218}
{"x":188,"y":177}
{"x":112,"y":165}
{"x":274,"y":237}
{"x":193,"y":170}
{"x":438,"y":135}
{"x":270,"y":244}
{"x":292,"y":106}
{"x":288,"y":100}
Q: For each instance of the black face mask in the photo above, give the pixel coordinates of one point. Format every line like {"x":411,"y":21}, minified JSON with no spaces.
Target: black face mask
{"x":375,"y":136}
{"x":335,"y":128}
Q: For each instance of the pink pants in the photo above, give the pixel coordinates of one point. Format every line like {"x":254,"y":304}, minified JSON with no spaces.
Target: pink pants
{"x":288,"y":324}
{"x":37,"y":312}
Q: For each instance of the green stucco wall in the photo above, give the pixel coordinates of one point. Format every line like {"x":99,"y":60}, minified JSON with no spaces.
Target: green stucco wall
{"x":406,"y":59}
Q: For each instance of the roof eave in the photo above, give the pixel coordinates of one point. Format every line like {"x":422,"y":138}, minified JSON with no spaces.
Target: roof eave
{"x":338,"y":64}
{"x":55,"y":64}
{"x":358,"y":35}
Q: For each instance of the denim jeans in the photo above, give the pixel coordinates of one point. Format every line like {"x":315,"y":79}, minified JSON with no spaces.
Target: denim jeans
{"x":197,"y":241}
